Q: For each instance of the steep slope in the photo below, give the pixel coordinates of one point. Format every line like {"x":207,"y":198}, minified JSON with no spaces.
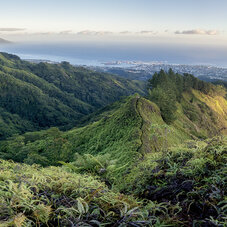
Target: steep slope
{"x":186,"y":108}
{"x":130,"y":149}
{"x":11,"y":124}
{"x":45,"y":95}
{"x":194,"y":106}
{"x":218,"y":105}
{"x":201,"y":115}
{"x":125,"y":131}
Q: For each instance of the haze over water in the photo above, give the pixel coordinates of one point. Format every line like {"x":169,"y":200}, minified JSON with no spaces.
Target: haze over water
{"x":89,"y":32}
{"x":95,"y":53}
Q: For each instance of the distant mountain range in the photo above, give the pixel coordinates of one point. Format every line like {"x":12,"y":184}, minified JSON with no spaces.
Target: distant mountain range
{"x":3,"y":41}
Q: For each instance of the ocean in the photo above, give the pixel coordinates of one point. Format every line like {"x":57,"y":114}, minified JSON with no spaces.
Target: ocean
{"x":96,"y":53}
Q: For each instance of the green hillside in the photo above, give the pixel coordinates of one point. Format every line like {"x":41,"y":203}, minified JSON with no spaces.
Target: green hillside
{"x":44,"y":95}
{"x":158,"y":160}
{"x":130,"y":128}
{"x":179,"y":186}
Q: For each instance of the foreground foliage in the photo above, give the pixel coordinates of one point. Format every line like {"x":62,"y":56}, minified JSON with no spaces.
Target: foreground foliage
{"x":191,"y":177}
{"x":34,"y":196}
{"x":182,"y":186}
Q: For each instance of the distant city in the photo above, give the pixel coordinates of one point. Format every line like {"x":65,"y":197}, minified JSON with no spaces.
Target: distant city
{"x":144,"y":70}
{"x":138,"y":70}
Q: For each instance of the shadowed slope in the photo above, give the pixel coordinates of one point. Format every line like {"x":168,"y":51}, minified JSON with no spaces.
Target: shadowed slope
{"x":45,"y":95}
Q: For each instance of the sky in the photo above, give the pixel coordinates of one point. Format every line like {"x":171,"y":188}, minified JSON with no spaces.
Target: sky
{"x":180,"y":21}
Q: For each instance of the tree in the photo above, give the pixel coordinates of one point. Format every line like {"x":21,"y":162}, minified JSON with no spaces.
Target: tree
{"x":166,"y":102}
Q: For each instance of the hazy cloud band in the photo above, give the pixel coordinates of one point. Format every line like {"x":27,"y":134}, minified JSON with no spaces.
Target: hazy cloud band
{"x":197,"y":32}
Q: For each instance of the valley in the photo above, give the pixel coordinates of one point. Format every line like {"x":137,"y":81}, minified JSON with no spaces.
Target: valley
{"x":113,"y":113}
{"x":38,"y":96}
{"x":84,"y":148}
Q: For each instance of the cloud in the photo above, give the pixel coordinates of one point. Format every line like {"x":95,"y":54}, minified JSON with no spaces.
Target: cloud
{"x":11,"y":29}
{"x":138,"y":33}
{"x":66,"y":32}
{"x":146,"y":32}
{"x":103,"y":33}
{"x":89,"y":32}
{"x":125,"y":32}
{"x":42,"y":33}
{"x":83,"y":33}
{"x":197,"y":32}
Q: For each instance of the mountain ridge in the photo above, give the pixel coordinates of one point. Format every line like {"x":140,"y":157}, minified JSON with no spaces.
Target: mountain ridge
{"x":55,"y":94}
{"x":144,"y":160}
{"x":133,"y":125}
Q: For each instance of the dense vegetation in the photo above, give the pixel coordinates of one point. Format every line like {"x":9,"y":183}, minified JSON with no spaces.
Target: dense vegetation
{"x":38,"y":96}
{"x":214,"y":81}
{"x":123,"y":131}
{"x":127,"y":164}
{"x":33,"y":196}
{"x":182,"y":186}
{"x":166,"y":89}
{"x":220,"y":82}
